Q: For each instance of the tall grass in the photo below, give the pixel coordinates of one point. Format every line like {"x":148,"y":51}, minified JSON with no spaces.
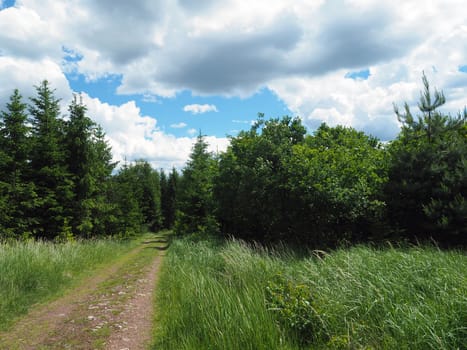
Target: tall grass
{"x":30,"y":272}
{"x":214,"y":296}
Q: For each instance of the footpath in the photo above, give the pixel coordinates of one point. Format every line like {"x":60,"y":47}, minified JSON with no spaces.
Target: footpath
{"x":112,"y":309}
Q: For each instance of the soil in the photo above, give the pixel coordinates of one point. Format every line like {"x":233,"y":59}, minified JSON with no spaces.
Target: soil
{"x":112,"y":309}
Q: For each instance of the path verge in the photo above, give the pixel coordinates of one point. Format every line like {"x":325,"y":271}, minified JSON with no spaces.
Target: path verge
{"x":110,"y":307}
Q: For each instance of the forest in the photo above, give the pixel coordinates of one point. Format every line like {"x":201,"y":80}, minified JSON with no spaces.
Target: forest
{"x":275,"y":182}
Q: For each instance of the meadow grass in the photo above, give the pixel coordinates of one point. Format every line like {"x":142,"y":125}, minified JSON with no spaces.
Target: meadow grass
{"x":218,"y":296}
{"x":33,"y":271}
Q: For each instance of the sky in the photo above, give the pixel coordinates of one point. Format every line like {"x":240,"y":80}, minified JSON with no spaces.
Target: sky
{"x":156,"y":73}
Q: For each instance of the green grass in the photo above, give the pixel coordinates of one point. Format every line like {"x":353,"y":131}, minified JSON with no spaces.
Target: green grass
{"x":234,"y":296}
{"x":32,"y":272}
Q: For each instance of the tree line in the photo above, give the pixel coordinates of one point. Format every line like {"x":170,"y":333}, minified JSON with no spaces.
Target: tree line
{"x":275,"y":182}
{"x":58,"y":181}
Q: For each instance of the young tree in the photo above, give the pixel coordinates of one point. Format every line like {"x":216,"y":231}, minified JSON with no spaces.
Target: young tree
{"x":427,"y":187}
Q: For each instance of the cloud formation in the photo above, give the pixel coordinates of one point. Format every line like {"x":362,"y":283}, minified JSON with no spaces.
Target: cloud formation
{"x":135,"y":136}
{"x":178,"y":125}
{"x":198,"y":109}
{"x":304,"y":51}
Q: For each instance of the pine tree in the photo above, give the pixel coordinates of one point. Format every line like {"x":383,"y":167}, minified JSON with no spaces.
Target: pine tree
{"x":427,"y":188}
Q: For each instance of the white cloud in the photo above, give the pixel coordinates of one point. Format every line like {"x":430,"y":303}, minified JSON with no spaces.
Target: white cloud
{"x":301,"y":51}
{"x":198,"y":109}
{"x":22,"y":73}
{"x":238,"y":121}
{"x":178,"y":125}
{"x":135,"y":136}
{"x":192,"y":132}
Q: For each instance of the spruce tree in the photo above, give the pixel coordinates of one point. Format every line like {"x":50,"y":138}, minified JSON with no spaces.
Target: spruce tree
{"x":81,"y":162}
{"x":17,"y":195}
{"x":196,"y":203}
{"x":168,"y":187}
{"x":101,"y":207}
{"x":48,"y":165}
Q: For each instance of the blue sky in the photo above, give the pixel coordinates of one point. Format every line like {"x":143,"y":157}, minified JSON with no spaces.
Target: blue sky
{"x":233,"y":113}
{"x":155,"y":73}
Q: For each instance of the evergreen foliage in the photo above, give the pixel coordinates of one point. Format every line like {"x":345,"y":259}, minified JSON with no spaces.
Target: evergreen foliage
{"x":56,"y":177}
{"x":168,"y":185}
{"x":427,"y":188}
{"x":274,"y":182}
{"x":17,"y":195}
{"x":49,"y":171}
{"x":136,"y":193}
{"x":196,"y":202}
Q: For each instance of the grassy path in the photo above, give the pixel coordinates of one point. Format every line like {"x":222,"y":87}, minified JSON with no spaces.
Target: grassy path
{"x":112,"y":309}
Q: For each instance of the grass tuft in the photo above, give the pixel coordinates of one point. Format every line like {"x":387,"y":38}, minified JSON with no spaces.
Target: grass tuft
{"x":31,"y":272}
{"x":237,"y":296}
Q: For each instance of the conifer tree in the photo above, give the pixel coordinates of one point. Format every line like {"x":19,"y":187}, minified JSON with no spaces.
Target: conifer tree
{"x":169,"y":197}
{"x":79,"y":162}
{"x":16,"y":195}
{"x":427,"y":188}
{"x":101,"y":207}
{"x":196,"y":203}
{"x":48,"y":166}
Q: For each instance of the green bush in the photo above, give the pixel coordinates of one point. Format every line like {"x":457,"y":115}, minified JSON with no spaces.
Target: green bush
{"x":292,"y":303}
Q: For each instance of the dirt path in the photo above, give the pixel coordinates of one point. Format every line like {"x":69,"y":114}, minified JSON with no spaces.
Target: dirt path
{"x":110,"y":310}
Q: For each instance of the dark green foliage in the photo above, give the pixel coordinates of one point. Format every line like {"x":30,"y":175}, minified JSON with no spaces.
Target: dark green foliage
{"x":292,"y":304}
{"x":89,"y":162}
{"x":196,"y":203}
{"x":48,"y":167}
{"x":276,"y":184}
{"x":14,"y":140}
{"x":251,"y":188}
{"x":17,"y":195}
{"x":427,"y":187}
{"x":127,"y":215}
{"x":136,"y":192}
{"x":336,"y":179}
{"x":169,"y":197}
{"x":79,"y":161}
{"x":56,"y":176}
{"x":146,"y":190}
